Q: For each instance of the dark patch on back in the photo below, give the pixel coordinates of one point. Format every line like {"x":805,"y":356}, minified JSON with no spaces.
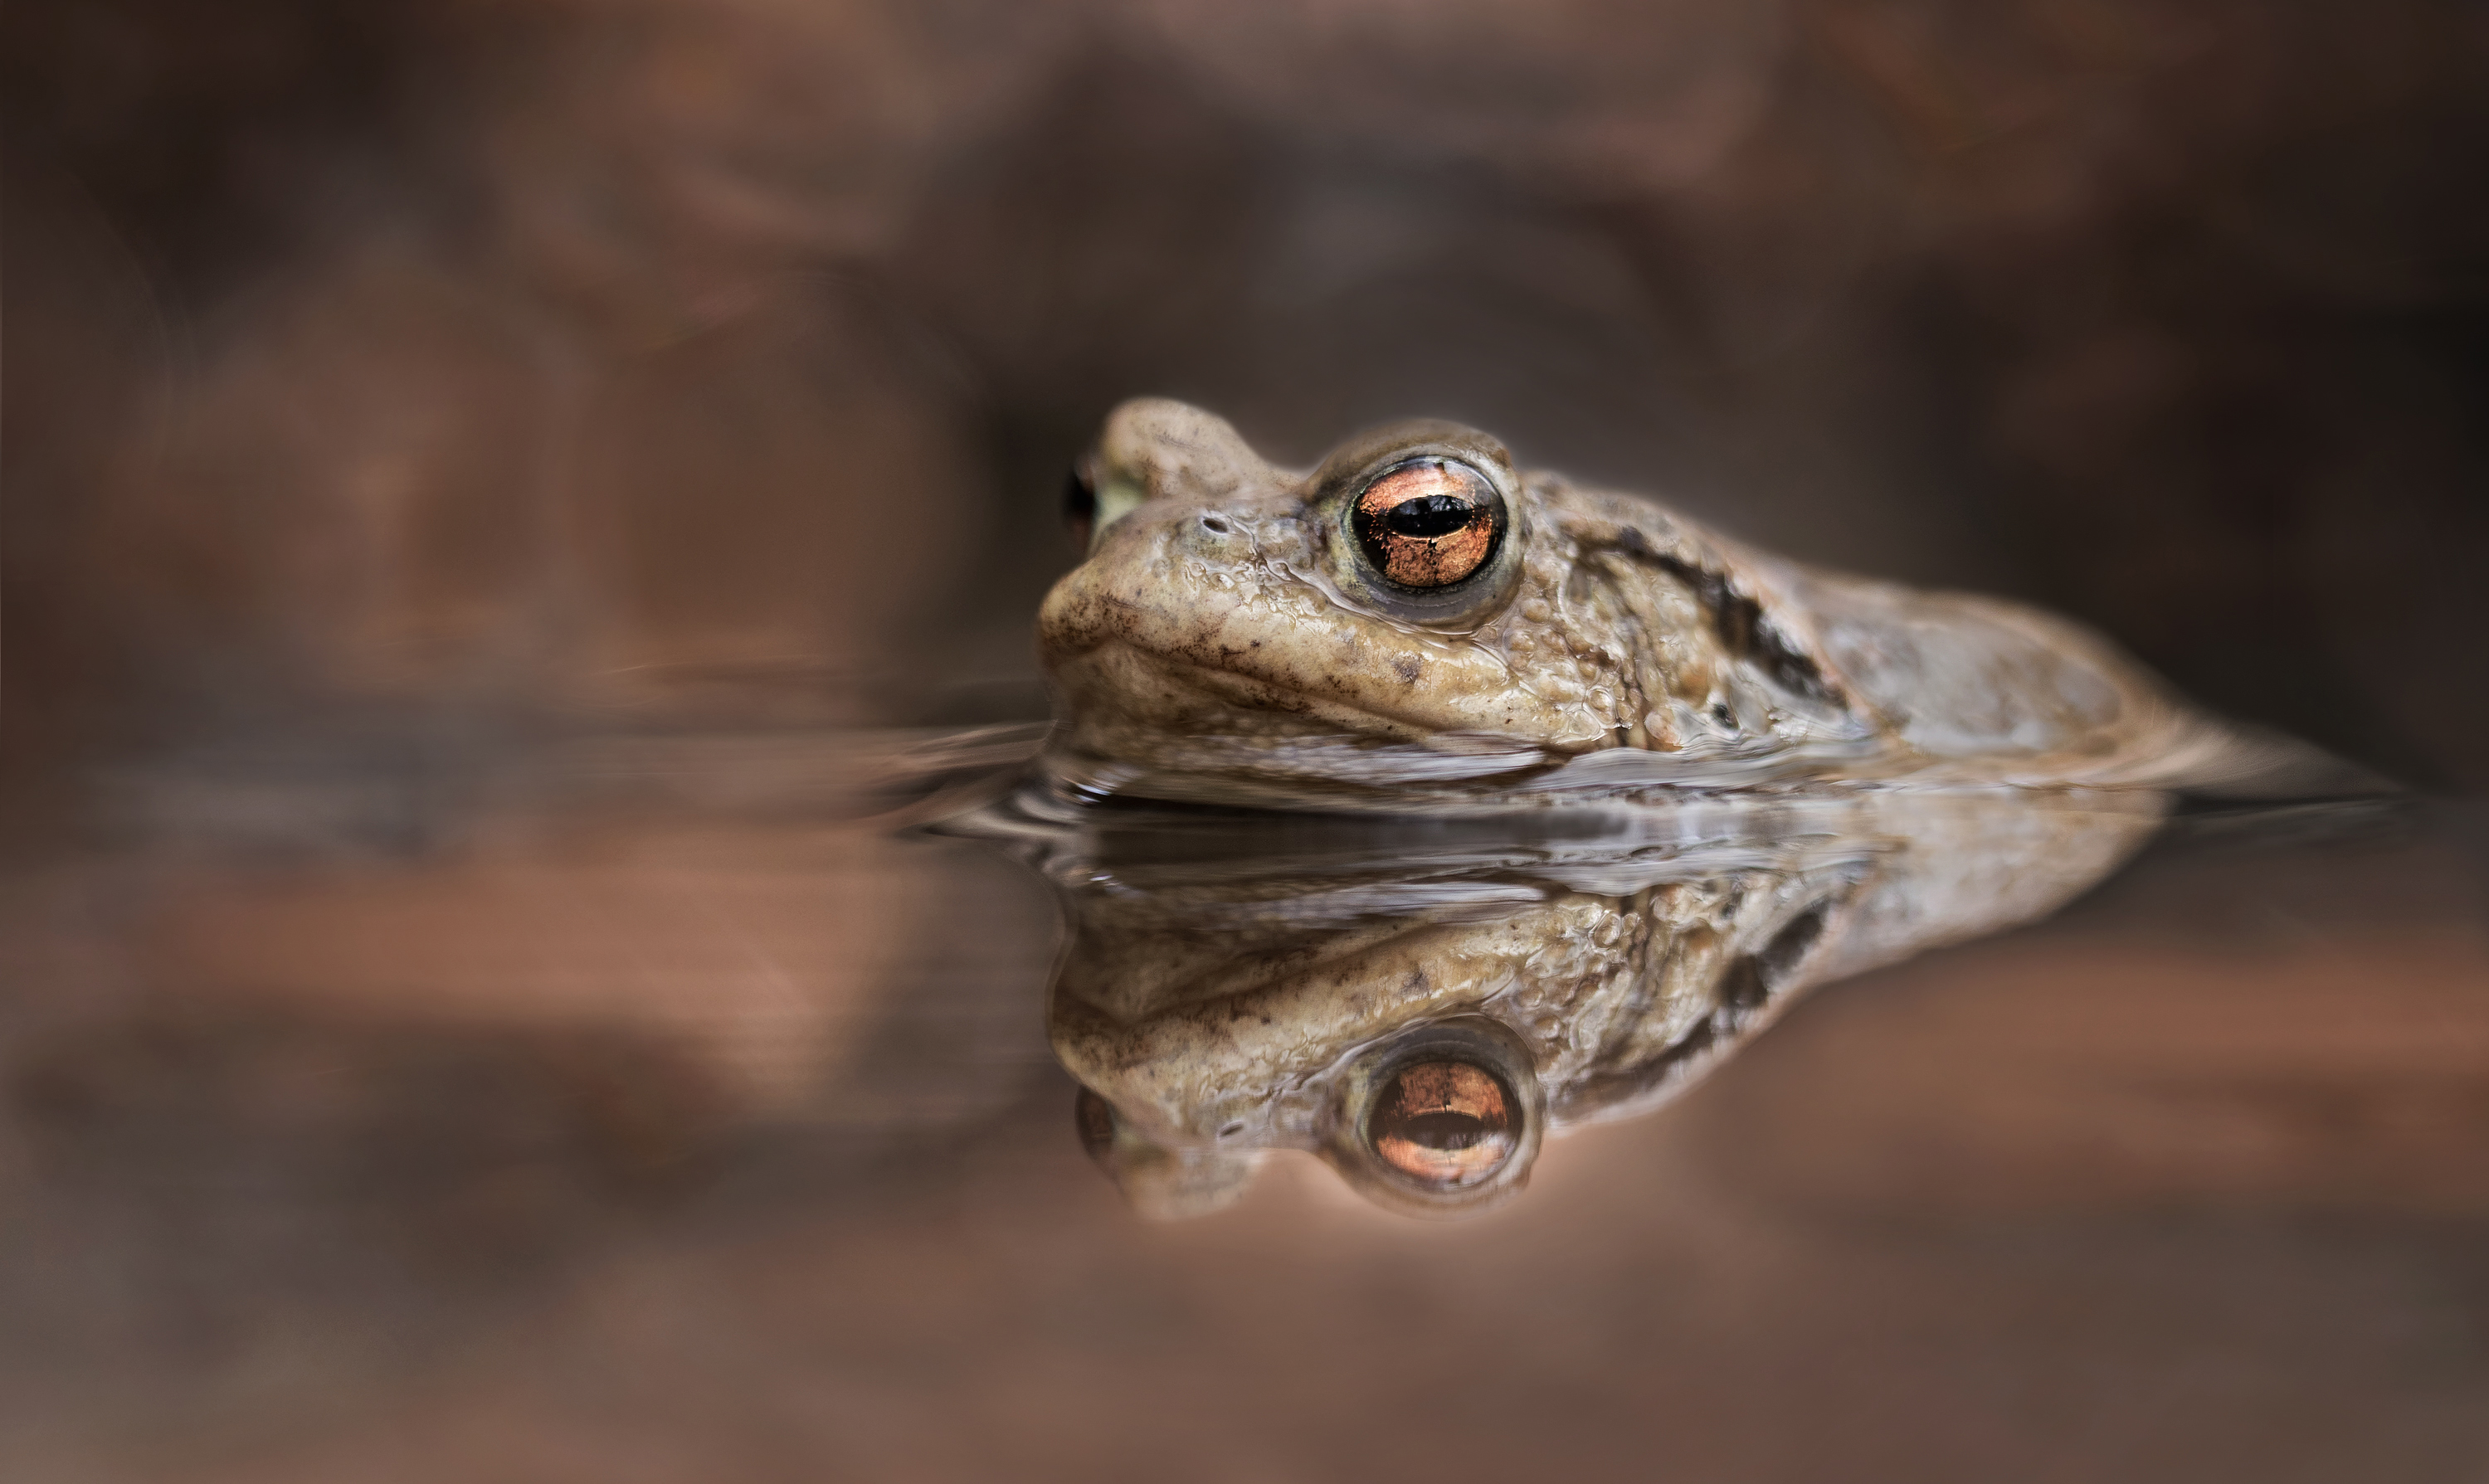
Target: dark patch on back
{"x":1743,"y":990}
{"x":1702,"y":1037}
{"x":1738,"y":619}
{"x":1751,"y":977}
{"x":1678,"y":1061}
{"x":1406,"y":667}
{"x":1780,"y":956}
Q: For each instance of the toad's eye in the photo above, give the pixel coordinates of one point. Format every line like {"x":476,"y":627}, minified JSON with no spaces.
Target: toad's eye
{"x":1446,"y":1124}
{"x":1428,"y":523}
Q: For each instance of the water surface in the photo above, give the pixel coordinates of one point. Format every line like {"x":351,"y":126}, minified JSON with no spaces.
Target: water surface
{"x":636,"y":1138}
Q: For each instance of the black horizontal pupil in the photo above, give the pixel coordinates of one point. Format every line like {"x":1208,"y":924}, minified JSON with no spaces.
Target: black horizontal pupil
{"x":1429,"y":514}
{"x":1443,"y":1131}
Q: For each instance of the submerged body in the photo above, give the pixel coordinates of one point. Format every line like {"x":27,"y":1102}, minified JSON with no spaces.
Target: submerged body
{"x":1746,"y":777}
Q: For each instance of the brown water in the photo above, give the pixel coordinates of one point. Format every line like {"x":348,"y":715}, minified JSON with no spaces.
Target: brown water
{"x":649,"y":1143}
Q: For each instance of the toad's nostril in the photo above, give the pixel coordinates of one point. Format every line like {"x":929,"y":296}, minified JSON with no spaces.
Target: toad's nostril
{"x":1216,"y":525}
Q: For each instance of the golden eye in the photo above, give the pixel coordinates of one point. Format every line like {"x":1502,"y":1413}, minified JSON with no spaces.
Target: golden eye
{"x":1428,"y":523}
{"x":1448,"y":1124}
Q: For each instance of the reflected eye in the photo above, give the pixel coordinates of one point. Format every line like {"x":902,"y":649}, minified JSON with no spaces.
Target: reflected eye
{"x":1447,"y":1124}
{"x":1428,"y":523}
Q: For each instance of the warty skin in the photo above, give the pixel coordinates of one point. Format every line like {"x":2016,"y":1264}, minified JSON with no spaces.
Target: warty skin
{"x":1225,"y":624}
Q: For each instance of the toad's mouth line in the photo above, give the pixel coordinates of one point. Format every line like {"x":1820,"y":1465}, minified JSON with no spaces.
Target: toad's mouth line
{"x":1245,"y":690}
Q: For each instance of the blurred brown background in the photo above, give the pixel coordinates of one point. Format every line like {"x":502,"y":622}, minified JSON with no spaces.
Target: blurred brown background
{"x":397,"y":373}
{"x":484,"y":479}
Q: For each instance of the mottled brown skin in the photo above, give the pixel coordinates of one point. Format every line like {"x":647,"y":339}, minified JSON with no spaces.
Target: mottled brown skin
{"x":1226,"y":626}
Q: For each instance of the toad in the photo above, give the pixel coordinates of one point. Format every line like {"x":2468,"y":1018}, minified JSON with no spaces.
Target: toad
{"x":1417,"y":619}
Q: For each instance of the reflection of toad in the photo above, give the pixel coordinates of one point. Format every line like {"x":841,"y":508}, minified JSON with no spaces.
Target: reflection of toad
{"x":1418,"y":618}
{"x":1421,"y":1015}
